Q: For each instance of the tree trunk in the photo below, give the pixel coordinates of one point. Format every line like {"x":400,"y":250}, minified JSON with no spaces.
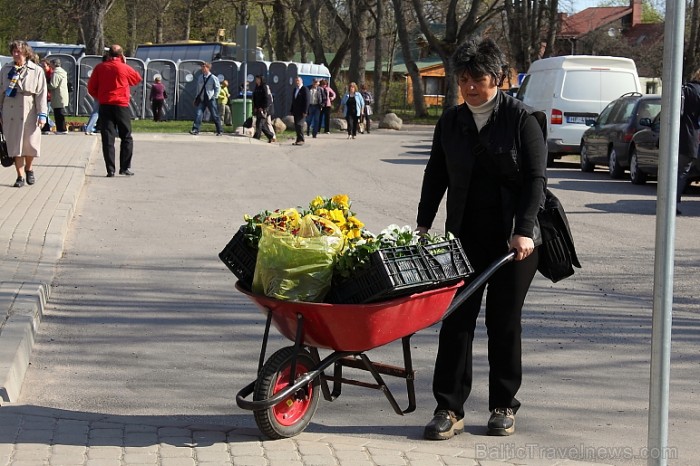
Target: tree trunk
{"x":284,"y":40}
{"x":132,"y":9}
{"x":359,"y":17}
{"x":378,"y":55}
{"x":478,"y":15}
{"x":161,"y":9}
{"x":411,"y":68}
{"x":92,"y":16}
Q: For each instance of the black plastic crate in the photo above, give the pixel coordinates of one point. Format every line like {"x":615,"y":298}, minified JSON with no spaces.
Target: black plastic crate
{"x":448,"y":261}
{"x":392,"y":272}
{"x":240,"y":257}
{"x":403,"y":270}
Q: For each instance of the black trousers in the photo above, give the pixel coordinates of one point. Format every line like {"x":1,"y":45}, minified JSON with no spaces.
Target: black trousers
{"x":686,"y":165}
{"x":299,"y":127}
{"x":505,"y":294}
{"x":353,"y":122}
{"x":116,"y":121}
{"x":326,"y":118}
{"x":157,"y":108}
{"x":60,"y":120}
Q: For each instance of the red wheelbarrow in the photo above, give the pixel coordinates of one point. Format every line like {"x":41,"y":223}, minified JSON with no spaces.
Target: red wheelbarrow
{"x":289,"y":384}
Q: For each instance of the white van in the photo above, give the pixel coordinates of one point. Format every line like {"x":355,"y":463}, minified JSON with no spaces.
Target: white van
{"x":572,"y":89}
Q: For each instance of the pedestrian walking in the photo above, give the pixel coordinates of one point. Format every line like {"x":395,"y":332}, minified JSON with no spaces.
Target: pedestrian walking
{"x":489,"y":156}
{"x":208,"y":88}
{"x":23,"y":109}
{"x":352,"y":104}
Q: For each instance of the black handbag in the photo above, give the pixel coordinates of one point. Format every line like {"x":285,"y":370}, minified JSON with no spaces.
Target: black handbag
{"x":557,"y":254}
{"x":5,"y":158}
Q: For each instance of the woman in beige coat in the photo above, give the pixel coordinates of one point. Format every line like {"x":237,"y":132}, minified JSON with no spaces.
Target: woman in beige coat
{"x":23,"y":109}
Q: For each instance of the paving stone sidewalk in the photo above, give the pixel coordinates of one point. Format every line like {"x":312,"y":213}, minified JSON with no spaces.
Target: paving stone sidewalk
{"x":34,"y":221}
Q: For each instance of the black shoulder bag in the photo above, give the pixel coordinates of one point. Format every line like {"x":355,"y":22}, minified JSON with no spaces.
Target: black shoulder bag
{"x":5,"y":158}
{"x":557,"y":254}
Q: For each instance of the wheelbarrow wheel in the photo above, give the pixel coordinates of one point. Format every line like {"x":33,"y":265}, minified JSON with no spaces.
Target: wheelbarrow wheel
{"x":290,"y":416}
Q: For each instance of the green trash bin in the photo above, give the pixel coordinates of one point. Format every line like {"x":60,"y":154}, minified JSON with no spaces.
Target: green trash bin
{"x":237,"y":117}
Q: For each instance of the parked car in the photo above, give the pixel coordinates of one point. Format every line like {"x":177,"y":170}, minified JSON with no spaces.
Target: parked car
{"x":644,"y":153}
{"x":572,"y":89}
{"x":607,"y":140}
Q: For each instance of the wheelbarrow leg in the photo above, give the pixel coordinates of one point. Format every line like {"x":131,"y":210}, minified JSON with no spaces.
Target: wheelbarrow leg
{"x":410,"y":375}
{"x":263,"y":348}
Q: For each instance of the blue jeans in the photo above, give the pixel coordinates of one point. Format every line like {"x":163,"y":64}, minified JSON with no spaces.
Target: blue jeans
{"x":213,"y":110}
{"x":90,"y":127}
{"x":313,"y":120}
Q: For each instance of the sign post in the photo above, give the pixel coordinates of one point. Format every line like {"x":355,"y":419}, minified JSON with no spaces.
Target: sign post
{"x":246,"y":45}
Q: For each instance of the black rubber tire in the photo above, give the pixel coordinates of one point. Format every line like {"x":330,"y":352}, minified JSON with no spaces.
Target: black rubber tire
{"x":636,"y":176}
{"x":301,"y":406}
{"x":614,"y":169}
{"x":586,"y":165}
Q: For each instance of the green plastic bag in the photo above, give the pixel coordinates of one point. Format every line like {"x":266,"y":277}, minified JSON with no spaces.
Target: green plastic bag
{"x":297,"y":267}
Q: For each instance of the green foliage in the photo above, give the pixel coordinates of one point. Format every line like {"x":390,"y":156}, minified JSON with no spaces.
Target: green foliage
{"x":357,"y":256}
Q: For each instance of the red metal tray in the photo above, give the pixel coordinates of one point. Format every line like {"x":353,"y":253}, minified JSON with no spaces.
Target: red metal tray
{"x":356,"y":327}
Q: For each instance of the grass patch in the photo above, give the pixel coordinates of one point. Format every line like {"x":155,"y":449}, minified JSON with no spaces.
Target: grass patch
{"x":408,"y":116}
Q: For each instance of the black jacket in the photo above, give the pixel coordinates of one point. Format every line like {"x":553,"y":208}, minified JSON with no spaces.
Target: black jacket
{"x":690,"y":113}
{"x":515,"y":139}
{"x":260,"y":97}
{"x":300,"y":103}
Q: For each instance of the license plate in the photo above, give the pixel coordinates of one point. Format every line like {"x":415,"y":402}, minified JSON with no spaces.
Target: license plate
{"x":581,"y":120}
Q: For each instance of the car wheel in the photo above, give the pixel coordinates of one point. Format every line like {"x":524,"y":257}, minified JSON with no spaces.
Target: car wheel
{"x":586,"y":165}
{"x":614,"y":168}
{"x":636,"y":175}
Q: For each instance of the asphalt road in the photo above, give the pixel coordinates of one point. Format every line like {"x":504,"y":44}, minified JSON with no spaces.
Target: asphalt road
{"x":144,"y":319}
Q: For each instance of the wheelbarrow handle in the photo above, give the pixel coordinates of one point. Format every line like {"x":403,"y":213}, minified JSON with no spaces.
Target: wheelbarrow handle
{"x":478,"y":282}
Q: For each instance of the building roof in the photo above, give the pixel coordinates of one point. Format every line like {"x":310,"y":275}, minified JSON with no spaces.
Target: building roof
{"x":590,"y":19}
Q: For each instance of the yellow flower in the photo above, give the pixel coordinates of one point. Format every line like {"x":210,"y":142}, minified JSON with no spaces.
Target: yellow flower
{"x":322,"y":213}
{"x":353,"y":233}
{"x":342,"y":201}
{"x":317,"y":202}
{"x":337,"y":216}
{"x":355,"y":222}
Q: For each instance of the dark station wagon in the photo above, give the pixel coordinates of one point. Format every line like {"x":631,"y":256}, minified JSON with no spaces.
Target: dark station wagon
{"x":607,"y":141}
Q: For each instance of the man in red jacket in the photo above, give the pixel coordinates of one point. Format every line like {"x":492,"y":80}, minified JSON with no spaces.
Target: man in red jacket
{"x":109,"y":84}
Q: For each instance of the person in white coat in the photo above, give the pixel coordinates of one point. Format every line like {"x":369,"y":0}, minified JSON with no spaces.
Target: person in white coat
{"x":23,"y":109}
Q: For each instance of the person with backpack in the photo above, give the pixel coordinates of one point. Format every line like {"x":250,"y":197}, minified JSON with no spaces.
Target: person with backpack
{"x":367,"y":110}
{"x":489,"y":157}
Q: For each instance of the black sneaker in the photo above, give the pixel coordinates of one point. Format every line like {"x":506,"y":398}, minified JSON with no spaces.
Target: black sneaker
{"x":30,"y":176}
{"x":443,"y":426}
{"x":501,"y":422}
{"x":19,"y":182}
{"x":194,"y":132}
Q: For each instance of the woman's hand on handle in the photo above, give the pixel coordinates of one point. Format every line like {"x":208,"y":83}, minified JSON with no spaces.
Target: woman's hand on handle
{"x":522,"y":245}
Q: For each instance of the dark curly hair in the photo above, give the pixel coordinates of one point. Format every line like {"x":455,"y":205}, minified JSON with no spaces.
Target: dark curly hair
{"x":478,"y":58}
